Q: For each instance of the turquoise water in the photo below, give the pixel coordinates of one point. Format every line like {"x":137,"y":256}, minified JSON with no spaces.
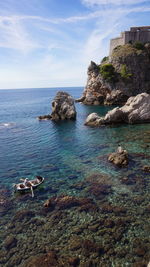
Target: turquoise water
{"x":69,"y":155}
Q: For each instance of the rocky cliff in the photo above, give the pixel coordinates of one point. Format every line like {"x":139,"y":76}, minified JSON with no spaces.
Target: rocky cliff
{"x":126,"y":73}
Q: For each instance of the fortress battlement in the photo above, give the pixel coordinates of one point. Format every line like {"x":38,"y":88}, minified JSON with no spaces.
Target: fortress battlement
{"x":141,"y":34}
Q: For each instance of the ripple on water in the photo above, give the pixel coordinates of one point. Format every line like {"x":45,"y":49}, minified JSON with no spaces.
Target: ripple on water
{"x":110,"y":224}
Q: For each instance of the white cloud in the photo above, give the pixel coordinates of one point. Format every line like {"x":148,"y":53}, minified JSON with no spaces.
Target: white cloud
{"x":55,"y":51}
{"x":114,"y":2}
{"x":14,"y":36}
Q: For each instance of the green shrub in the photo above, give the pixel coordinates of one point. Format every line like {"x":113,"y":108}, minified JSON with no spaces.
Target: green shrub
{"x":104,"y":59}
{"x":124,"y":73}
{"x":108,"y":72}
{"x":138,"y":45}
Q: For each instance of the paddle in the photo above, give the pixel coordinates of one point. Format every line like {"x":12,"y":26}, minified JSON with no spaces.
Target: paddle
{"x":32,"y":191}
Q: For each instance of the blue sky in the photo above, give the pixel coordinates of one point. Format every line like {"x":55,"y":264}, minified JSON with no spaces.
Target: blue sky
{"x":50,"y":43}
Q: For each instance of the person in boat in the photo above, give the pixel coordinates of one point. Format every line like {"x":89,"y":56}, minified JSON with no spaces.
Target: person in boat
{"x":27,"y":183}
{"x":119,"y":149}
{"x":39,"y":179}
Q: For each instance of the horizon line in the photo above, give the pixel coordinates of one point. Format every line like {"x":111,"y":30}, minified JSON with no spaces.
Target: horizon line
{"x":41,"y":87}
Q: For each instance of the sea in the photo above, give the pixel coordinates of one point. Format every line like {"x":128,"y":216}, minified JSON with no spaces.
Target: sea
{"x":111,"y":227}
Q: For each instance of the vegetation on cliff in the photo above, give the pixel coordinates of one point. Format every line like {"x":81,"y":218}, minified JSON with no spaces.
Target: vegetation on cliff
{"x":126,"y":70}
{"x":108,"y":72}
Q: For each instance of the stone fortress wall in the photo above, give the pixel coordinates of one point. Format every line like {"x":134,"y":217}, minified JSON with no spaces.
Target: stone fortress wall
{"x":141,"y":34}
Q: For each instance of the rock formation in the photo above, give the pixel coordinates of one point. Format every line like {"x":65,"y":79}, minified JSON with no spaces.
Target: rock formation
{"x":63,"y":108}
{"x":115,"y":97}
{"x":126,"y":73}
{"x":119,"y":158}
{"x":136,"y":110}
{"x":95,"y":90}
{"x":94,"y":120}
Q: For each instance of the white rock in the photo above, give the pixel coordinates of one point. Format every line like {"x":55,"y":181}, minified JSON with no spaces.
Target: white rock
{"x":136,"y":110}
{"x":93,"y":120}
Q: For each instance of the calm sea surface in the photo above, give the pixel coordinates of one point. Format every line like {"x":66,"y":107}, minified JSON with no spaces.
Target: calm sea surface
{"x":67,"y":154}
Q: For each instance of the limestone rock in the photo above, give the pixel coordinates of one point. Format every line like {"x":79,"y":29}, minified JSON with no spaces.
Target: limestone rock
{"x":114,"y":116}
{"x":137,"y":64}
{"x":131,"y":76}
{"x":119,"y":158}
{"x":95,"y":90}
{"x":136,"y":110}
{"x":81,"y":99}
{"x":45,"y":117}
{"x":93,"y":120}
{"x":116,"y":97}
{"x":63,"y":107}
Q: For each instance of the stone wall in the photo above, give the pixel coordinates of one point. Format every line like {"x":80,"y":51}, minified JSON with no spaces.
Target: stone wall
{"x":141,"y":34}
{"x":117,"y":41}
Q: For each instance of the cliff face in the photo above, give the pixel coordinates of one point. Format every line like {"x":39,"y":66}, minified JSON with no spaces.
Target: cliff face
{"x":126,"y":73}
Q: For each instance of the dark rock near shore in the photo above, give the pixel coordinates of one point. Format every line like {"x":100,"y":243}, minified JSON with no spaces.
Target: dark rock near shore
{"x":10,"y":242}
{"x":146,"y":168}
{"x":5,"y":202}
{"x":45,"y":117}
{"x":66,"y":202}
{"x":23,"y":215}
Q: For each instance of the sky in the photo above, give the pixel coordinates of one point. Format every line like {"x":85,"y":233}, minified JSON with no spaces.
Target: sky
{"x":50,"y":43}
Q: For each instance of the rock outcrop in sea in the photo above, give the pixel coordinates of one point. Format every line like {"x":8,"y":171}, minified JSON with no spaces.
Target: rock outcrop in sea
{"x":126,"y":73}
{"x":119,"y":158}
{"x":63,"y":108}
{"x":136,"y":110}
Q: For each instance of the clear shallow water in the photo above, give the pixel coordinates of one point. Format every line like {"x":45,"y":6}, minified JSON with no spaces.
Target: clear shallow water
{"x":65,"y":153}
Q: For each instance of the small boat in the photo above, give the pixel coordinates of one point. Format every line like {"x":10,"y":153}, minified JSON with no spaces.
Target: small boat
{"x":29,"y":184}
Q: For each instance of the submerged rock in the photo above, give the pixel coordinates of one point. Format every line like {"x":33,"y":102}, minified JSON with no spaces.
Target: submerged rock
{"x":63,"y":108}
{"x":67,"y":202}
{"x":23,"y":215}
{"x":119,"y":158}
{"x":44,"y":260}
{"x":136,"y":110}
{"x":10,"y":242}
{"x":146,"y":168}
{"x":6,"y":203}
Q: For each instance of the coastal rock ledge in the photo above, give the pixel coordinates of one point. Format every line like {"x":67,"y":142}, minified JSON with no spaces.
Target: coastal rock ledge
{"x":136,"y":110}
{"x":63,"y":108}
